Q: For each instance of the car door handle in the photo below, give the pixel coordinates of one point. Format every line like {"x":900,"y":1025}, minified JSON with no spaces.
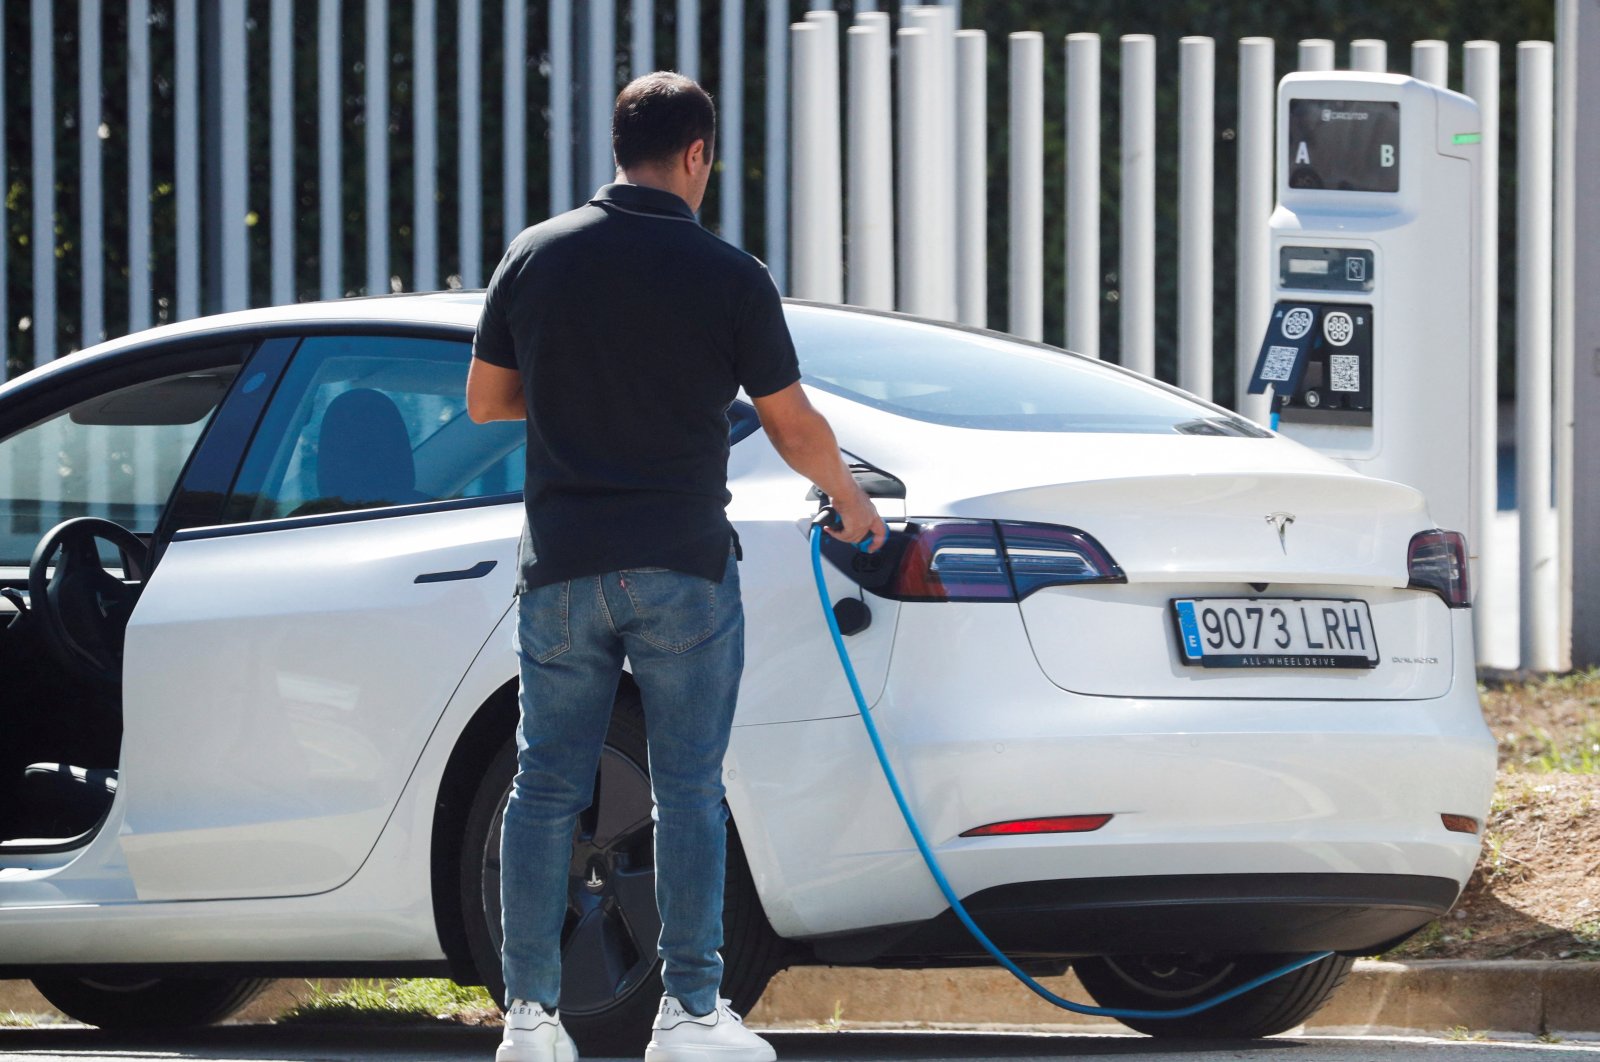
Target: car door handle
{"x":477,"y":571}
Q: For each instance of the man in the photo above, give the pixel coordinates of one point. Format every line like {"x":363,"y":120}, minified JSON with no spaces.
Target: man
{"x":621,"y":331}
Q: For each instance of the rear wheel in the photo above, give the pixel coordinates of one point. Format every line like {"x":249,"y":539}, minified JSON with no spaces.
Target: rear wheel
{"x":610,"y":975}
{"x":117,"y":1001}
{"x":1171,"y":982}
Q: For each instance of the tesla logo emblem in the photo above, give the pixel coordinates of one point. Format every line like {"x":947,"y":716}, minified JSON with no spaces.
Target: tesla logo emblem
{"x":1281,"y":522}
{"x":594,"y":880}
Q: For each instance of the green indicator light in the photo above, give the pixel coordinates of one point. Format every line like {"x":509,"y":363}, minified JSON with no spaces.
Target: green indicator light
{"x":1467,"y":138}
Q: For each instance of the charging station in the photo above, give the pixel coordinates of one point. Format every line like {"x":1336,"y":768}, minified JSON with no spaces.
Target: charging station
{"x":1368,"y":353}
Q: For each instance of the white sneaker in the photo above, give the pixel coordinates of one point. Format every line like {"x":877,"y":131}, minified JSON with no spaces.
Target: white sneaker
{"x":679,"y":1036}
{"x":534,"y":1034}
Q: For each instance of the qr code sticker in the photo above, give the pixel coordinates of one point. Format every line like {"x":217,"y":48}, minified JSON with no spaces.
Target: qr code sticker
{"x":1344,"y":371}
{"x":1279,"y":364}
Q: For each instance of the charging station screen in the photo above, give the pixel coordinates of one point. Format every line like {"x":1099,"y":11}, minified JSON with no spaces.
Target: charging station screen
{"x":1344,"y":145}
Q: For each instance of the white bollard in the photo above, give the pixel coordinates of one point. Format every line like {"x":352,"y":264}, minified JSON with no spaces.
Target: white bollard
{"x":776,"y":251}
{"x":1136,"y":270}
{"x":1481,"y":81}
{"x":869,"y":268}
{"x":816,"y":268}
{"x":561,"y":193}
{"x":1315,"y":54}
{"x":1535,"y":106}
{"x":514,"y":121}
{"x":1430,"y":62}
{"x":1369,"y":56}
{"x":1025,"y":302}
{"x":1196,"y":180}
{"x":926,"y":284}
{"x":1253,"y":305}
{"x":729,"y":147}
{"x":1083,"y":193}
{"x":972,"y":178}
{"x":1563,"y":335}
{"x":600,"y":70}
{"x":939,"y":87}
{"x":688,"y":38}
{"x":642,"y":40}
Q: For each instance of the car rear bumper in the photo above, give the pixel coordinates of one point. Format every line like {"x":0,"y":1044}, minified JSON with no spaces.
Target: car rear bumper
{"x":1163,"y":914}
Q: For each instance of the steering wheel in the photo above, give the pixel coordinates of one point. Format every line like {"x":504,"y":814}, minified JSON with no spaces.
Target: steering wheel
{"x":82,"y":610}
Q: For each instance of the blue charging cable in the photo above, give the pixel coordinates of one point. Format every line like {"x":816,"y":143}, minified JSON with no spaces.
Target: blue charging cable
{"x":828,"y":516}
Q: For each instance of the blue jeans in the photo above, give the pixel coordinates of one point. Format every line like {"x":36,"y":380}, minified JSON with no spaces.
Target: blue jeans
{"x":684,"y":637}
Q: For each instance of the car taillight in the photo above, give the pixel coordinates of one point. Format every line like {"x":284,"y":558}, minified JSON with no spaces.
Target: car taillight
{"x":976,"y":560}
{"x":1437,"y":561}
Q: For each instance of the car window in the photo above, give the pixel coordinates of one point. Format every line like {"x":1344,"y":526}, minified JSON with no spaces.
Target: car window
{"x":972,"y":380}
{"x":116,"y":456}
{"x":361,"y":422}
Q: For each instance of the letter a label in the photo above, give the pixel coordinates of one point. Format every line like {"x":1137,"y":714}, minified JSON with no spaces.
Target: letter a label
{"x":1302,"y":157}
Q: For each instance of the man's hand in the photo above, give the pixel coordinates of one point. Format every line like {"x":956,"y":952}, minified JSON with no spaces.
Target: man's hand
{"x":494,"y":393}
{"x":805,"y":441}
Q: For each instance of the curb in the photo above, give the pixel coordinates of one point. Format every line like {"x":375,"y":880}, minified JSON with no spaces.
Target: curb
{"x":1499,"y":999}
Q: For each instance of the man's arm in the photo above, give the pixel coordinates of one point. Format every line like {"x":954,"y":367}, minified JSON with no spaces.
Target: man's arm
{"x":805,"y":441}
{"x":494,"y":393}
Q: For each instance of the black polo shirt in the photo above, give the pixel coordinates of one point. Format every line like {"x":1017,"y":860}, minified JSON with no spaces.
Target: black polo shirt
{"x":633,"y":328}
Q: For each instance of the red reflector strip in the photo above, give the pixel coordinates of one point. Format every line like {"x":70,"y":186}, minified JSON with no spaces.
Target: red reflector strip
{"x":1050,"y":824}
{"x":1460,"y":823}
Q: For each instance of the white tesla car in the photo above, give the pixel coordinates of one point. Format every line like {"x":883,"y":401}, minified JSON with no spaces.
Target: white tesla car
{"x":1174,"y":697}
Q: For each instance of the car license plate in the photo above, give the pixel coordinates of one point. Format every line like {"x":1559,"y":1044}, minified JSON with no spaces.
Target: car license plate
{"x":1275,"y":632}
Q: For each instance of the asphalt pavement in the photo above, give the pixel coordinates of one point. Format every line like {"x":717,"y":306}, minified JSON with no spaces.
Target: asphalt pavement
{"x":277,"y":1043}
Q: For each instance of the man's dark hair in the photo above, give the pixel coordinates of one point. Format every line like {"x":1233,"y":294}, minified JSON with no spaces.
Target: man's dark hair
{"x":659,"y":115}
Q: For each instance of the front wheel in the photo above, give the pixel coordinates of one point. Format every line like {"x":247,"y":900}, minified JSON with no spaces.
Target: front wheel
{"x":118,"y":1001}
{"x":1171,"y":982}
{"x":610,"y":972}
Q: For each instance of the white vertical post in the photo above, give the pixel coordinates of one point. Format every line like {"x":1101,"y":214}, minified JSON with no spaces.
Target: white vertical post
{"x":561,"y":198}
{"x":777,"y":167}
{"x":1369,"y":56}
{"x":730,"y":127}
{"x":1253,"y":305}
{"x":235,"y":160}
{"x":377,"y":137}
{"x":1083,"y":194}
{"x":330,"y":141}
{"x":1535,"y":98}
{"x":91,"y":206}
{"x":689,"y":38}
{"x":1315,"y":54}
{"x":1197,"y":74}
{"x":602,"y":90}
{"x":1430,"y":62}
{"x":923,"y":243}
{"x":1481,"y":81}
{"x":186,"y":157}
{"x":425,"y":152}
{"x":1136,"y":268}
{"x":817,"y":270}
{"x":281,"y":210}
{"x":642,"y":41}
{"x":1564,"y":348}
{"x":869,"y":270}
{"x":43,"y":135}
{"x":469,"y":156}
{"x":972,"y":178}
{"x":939,"y":87}
{"x":1025,"y":300}
{"x":514,"y":120}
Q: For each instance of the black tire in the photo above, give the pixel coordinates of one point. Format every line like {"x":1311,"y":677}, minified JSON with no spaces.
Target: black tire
{"x":120,"y":1001}
{"x":1170,"y":982}
{"x":608,"y":1017}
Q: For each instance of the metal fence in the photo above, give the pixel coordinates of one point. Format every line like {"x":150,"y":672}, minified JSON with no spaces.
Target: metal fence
{"x":871,"y":181}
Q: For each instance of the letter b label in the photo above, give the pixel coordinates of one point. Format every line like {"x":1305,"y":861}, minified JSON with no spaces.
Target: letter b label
{"x":1386,"y":155}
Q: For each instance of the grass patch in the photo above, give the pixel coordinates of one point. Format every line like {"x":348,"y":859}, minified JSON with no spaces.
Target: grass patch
{"x":12,"y":1020}
{"x":426,"y":999}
